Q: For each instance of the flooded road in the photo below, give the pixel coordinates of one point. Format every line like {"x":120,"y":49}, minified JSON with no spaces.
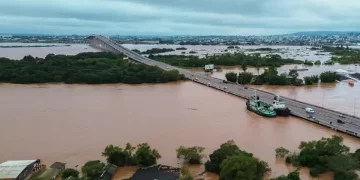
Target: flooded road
{"x":74,"y":123}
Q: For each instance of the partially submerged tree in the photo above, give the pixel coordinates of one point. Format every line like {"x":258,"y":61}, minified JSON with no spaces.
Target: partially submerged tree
{"x":191,"y":155}
{"x":145,"y":155}
{"x":70,"y":172}
{"x":281,"y":152}
{"x":243,"y":167}
{"x":92,"y":169}
{"x":142,"y":155}
{"x":185,"y":174}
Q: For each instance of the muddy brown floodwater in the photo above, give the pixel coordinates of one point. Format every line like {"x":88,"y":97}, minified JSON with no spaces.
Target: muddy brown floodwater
{"x":74,"y":123}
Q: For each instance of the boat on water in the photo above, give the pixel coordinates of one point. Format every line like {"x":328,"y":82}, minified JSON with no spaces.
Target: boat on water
{"x":280,"y":107}
{"x":255,"y":105}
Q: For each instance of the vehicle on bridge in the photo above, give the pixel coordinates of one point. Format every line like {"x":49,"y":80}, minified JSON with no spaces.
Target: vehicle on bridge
{"x":340,"y":121}
{"x":309,"y":110}
{"x":255,"y":105}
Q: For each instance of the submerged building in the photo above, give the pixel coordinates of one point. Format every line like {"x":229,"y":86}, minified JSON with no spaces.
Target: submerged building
{"x":18,"y":170}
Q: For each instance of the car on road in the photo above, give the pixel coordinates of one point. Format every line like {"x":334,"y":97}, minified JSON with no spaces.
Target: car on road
{"x":167,"y":67}
{"x":245,"y":87}
{"x":208,"y":84}
{"x":225,"y":87}
{"x":340,"y":121}
{"x":225,"y":81}
{"x":342,"y":115}
{"x":309,"y":110}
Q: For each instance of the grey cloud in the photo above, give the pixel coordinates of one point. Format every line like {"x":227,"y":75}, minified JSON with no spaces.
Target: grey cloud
{"x":177,"y":16}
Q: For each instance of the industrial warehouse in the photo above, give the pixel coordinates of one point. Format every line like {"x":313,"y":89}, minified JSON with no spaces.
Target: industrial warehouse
{"x":18,"y":170}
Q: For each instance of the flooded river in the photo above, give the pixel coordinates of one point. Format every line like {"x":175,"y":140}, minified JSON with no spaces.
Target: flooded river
{"x":74,"y":123}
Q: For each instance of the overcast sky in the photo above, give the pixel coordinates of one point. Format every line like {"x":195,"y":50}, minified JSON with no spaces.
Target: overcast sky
{"x":177,"y":17}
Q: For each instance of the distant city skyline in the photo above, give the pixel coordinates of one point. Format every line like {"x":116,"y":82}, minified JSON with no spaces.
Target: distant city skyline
{"x":185,"y":17}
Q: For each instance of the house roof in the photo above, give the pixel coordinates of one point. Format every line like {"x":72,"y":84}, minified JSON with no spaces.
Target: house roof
{"x":12,"y":169}
{"x":108,"y":173}
{"x":154,"y":172}
{"x":58,"y":165}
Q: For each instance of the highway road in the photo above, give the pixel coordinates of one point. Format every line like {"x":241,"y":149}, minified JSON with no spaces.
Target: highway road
{"x":326,"y":117}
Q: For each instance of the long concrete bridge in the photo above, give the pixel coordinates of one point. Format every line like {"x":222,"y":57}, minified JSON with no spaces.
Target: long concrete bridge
{"x":324,"y":116}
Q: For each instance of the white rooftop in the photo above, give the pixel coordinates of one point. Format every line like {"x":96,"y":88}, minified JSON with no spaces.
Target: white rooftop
{"x":342,"y":71}
{"x":12,"y":169}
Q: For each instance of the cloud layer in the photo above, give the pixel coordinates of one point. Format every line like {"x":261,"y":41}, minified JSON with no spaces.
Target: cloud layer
{"x":177,"y":17}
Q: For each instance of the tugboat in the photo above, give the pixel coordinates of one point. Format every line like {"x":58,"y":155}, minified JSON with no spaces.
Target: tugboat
{"x":255,"y":105}
{"x":279,"y":107}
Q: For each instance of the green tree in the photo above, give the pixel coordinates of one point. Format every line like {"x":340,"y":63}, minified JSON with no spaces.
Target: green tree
{"x":244,"y":66}
{"x":145,"y":155}
{"x":341,"y":162}
{"x":281,"y":152}
{"x":295,"y":175}
{"x":328,"y":77}
{"x":345,"y":175}
{"x":218,"y":156}
{"x":242,"y":167}
{"x":231,"y":76}
{"x":294,"y":75}
{"x":191,"y":155}
{"x":308,"y":80}
{"x":185,"y":174}
{"x":118,"y":156}
{"x":245,"y":78}
{"x":88,"y":68}
{"x":70,"y":172}
{"x":326,"y":154}
{"x":92,"y":169}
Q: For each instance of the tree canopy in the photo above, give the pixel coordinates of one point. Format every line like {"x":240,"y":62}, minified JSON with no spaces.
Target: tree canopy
{"x":87,"y":68}
{"x":92,"y":169}
{"x":326,"y":154}
{"x":232,"y":163}
{"x":185,"y":174}
{"x":343,"y":55}
{"x":227,"y":59}
{"x":142,"y":155}
{"x":242,"y":167}
{"x":291,"y":176}
{"x":328,"y":77}
{"x":191,"y":155}
{"x":70,"y":172}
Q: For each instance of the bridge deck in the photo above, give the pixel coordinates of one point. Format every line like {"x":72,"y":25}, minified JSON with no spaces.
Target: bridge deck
{"x":323,"y":116}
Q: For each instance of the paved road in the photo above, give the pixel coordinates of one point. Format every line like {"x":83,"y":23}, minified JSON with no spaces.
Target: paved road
{"x":323,"y":116}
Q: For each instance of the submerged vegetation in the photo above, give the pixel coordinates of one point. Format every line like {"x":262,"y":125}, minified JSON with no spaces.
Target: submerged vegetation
{"x":191,"y":155}
{"x":271,"y":77}
{"x":225,"y":60}
{"x":232,"y":163}
{"x":142,"y":155}
{"x":86,"y":68}
{"x":326,"y":154}
{"x":343,"y":55}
